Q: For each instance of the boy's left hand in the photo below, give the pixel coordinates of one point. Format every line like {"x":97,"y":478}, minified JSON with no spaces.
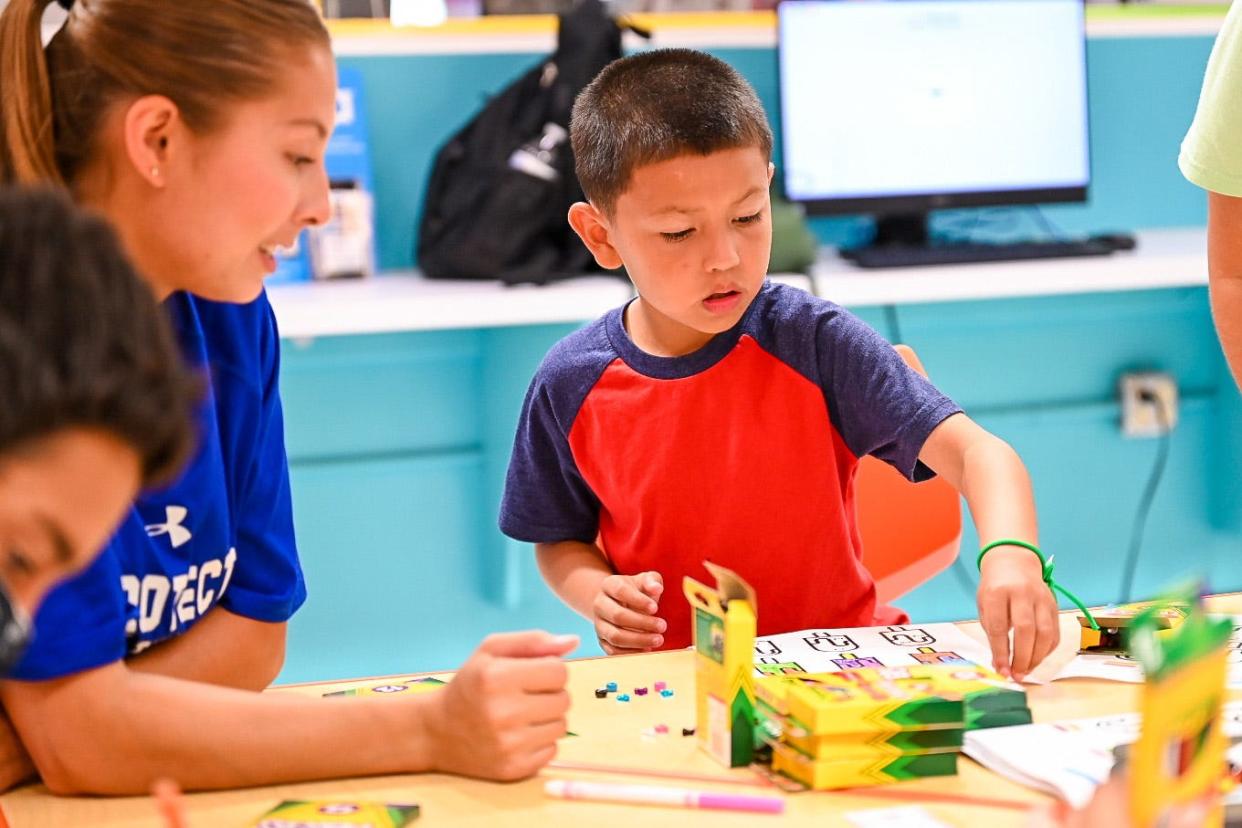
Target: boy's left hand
{"x":1012,"y":594}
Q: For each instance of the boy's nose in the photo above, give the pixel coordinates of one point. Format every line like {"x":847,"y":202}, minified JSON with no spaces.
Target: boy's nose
{"x":721,"y":254}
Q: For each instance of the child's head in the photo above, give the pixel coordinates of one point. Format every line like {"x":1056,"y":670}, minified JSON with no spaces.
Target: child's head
{"x":94,"y":398}
{"x":199,"y":127}
{"x":673,"y":151}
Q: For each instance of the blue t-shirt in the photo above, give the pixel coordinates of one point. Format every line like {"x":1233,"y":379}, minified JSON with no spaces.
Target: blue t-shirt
{"x":220,"y":535}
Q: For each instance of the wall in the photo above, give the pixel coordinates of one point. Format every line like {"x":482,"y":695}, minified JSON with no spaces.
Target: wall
{"x":399,"y":442}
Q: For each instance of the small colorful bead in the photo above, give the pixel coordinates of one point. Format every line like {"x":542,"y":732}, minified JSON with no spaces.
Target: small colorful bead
{"x":611,"y":687}
{"x":659,"y":685}
{"x":661,"y":728}
{"x":666,"y":693}
{"x":623,"y":698}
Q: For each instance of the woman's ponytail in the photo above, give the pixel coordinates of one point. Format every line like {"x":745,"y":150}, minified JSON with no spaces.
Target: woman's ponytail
{"x":27,"y":139}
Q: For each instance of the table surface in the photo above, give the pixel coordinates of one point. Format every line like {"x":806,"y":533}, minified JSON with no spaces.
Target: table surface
{"x":612,"y":732}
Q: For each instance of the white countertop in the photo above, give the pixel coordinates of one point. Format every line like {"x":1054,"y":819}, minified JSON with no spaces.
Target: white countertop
{"x":408,"y":302}
{"x":1161,"y":259}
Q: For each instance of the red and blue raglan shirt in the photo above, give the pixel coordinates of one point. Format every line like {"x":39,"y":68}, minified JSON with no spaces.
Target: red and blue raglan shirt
{"x":742,"y":453}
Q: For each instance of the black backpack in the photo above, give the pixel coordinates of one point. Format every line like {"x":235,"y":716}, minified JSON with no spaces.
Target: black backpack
{"x":500,"y":189}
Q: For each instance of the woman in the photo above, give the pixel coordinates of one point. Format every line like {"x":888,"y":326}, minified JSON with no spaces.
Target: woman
{"x":199,"y":130}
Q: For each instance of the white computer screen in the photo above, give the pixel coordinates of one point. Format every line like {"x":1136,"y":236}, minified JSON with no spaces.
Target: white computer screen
{"x":922,"y":97}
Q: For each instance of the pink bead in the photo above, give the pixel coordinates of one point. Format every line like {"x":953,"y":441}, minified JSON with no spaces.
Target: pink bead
{"x":661,"y":728}
{"x":659,"y":685}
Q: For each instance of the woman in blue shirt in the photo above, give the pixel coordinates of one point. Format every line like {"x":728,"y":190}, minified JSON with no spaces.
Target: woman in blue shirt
{"x":199,"y":130}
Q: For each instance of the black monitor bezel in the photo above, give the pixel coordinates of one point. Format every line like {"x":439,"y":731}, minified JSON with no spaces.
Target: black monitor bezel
{"x":922,"y":202}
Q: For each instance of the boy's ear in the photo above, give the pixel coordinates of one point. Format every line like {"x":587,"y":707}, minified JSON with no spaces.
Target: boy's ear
{"x":592,"y":227}
{"x":771,"y":172}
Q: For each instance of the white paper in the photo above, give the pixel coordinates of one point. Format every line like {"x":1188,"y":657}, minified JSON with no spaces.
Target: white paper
{"x":910,"y":816}
{"x":833,"y":650}
{"x":1067,"y":759}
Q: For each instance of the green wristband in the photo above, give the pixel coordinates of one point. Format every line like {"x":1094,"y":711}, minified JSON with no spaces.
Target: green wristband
{"x":1046,"y":564}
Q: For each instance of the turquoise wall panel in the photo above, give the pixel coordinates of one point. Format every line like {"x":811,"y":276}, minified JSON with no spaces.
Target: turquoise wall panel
{"x":380,"y":394}
{"x":389,"y":552}
{"x":1088,"y":483}
{"x":1062,"y":349}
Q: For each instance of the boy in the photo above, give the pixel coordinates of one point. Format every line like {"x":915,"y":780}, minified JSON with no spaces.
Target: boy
{"x":97,"y":403}
{"x":720,"y":417}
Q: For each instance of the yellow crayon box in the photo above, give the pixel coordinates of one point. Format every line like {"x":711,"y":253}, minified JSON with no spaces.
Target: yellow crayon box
{"x":874,"y":746}
{"x":724,"y":620}
{"x":822,"y":705}
{"x":300,"y":813}
{"x":860,"y":772}
{"x":1177,"y":766}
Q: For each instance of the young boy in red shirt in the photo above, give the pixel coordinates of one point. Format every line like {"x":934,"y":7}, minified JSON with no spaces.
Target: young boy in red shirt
{"x":719,"y":416}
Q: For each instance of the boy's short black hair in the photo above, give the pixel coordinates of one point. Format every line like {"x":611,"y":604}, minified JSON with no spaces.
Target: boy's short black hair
{"x":656,"y":105}
{"x":83,"y":343}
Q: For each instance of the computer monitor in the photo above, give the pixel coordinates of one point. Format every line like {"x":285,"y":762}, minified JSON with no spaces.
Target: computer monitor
{"x":898,"y":107}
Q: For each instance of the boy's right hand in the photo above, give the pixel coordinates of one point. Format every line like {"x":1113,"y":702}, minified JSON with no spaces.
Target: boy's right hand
{"x":625,"y":613}
{"x":502,"y":714}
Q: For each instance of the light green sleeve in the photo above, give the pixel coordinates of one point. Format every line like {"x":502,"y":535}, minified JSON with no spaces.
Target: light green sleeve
{"x":1211,"y":155}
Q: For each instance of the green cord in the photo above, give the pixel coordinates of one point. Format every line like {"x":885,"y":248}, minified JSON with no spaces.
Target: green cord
{"x":1046,"y":563}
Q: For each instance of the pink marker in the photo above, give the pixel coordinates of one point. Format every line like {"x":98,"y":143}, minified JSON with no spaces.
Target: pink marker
{"x":657,"y":795}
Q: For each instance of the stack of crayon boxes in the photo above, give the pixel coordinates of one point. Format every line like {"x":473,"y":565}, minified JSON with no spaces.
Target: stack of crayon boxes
{"x":879,"y":725}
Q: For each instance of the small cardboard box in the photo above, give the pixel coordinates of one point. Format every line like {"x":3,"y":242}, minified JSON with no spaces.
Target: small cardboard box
{"x":724,"y":621}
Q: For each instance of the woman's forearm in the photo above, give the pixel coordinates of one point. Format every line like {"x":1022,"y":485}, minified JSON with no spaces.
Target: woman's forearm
{"x":114,"y":731}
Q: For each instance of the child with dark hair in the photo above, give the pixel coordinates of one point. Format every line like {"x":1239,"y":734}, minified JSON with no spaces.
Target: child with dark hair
{"x":719,"y":416}
{"x":96,"y":400}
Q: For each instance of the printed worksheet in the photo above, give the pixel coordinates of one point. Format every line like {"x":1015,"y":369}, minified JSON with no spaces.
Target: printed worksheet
{"x":832,"y":650}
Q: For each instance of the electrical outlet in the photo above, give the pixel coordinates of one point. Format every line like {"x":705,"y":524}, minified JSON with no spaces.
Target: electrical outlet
{"x":1148,"y":404}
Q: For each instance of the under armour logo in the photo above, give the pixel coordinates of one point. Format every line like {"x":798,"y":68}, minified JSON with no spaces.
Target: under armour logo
{"x":178,"y":535}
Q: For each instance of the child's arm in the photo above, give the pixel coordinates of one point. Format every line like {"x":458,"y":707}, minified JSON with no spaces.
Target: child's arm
{"x":622,"y":607}
{"x":113,"y":730}
{"x":1012,"y":592}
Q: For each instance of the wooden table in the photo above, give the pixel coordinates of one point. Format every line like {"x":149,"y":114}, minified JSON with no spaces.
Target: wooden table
{"x":612,"y":732}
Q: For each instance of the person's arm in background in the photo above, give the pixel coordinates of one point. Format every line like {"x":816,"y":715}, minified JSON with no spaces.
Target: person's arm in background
{"x":1225,"y":275}
{"x":1211,"y":158}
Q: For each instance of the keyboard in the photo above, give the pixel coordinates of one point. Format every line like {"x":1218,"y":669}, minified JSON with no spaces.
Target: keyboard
{"x":896,"y":255}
